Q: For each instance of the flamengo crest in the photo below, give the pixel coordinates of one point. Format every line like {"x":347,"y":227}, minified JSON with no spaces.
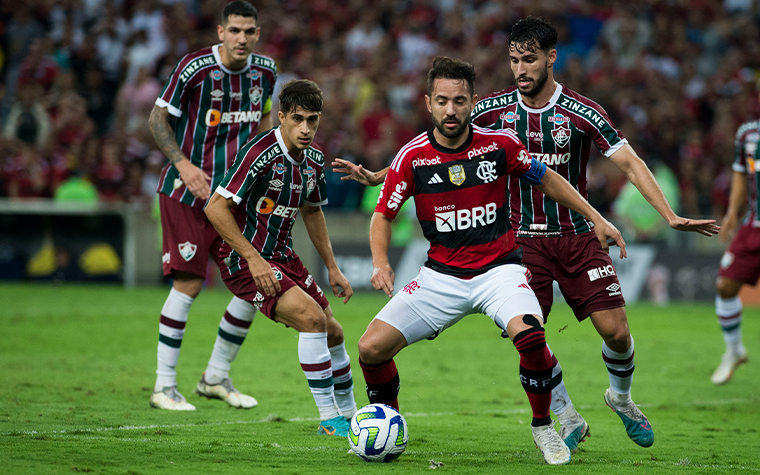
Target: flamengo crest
{"x":187,"y":250}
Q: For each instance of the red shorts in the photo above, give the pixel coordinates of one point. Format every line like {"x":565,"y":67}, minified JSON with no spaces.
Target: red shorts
{"x":582,"y":269}
{"x":290,"y":274}
{"x":741,"y":262}
{"x":188,"y":237}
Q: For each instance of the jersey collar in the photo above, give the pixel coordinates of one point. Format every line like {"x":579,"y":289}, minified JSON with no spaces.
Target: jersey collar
{"x":284,"y":149}
{"x":548,"y":106}
{"x":442,"y":149}
{"x":218,"y":58}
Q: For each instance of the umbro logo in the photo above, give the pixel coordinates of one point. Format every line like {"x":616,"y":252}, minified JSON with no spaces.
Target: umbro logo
{"x":435,"y":180}
{"x":614,"y":290}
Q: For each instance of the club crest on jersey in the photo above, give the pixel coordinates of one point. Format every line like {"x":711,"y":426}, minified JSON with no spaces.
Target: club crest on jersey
{"x":561,"y":136}
{"x":487,"y":171}
{"x":509,"y":117}
{"x":456,"y":174}
{"x":726,"y":260}
{"x":277,"y":273}
{"x":279,"y":168}
{"x":217,"y":95}
{"x":217,"y":75}
{"x":187,"y":250}
{"x":255,"y":94}
{"x":311,"y":183}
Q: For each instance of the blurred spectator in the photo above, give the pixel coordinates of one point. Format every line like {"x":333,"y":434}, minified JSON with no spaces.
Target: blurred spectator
{"x":28,"y":120}
{"x":136,"y":100}
{"x":27,"y":174}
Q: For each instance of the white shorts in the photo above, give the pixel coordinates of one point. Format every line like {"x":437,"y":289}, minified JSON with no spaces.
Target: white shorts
{"x":433,"y":301}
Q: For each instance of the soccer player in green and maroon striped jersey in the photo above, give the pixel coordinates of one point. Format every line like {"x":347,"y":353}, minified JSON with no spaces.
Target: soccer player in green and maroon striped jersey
{"x":275,"y":176}
{"x":558,"y":127}
{"x":219,"y":97}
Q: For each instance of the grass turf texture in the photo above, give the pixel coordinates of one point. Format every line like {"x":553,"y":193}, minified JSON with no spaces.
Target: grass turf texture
{"x":77,"y":367}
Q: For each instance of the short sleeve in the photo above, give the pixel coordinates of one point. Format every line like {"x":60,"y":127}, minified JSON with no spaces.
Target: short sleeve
{"x":398,"y":187}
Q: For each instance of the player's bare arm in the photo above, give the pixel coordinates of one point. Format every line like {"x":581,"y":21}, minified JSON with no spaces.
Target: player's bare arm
{"x":558,"y":189}
{"x":641,"y":177}
{"x":316,"y":226}
{"x":736,"y":204}
{"x":358,"y":173}
{"x":379,"y":241}
{"x":219,"y":214}
{"x":197,"y":180}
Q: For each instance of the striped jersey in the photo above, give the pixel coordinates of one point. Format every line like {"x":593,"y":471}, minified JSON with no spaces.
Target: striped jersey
{"x":218,"y":111}
{"x":268,"y":186}
{"x":460,"y":197}
{"x":747,"y":140}
{"x":559,"y":135}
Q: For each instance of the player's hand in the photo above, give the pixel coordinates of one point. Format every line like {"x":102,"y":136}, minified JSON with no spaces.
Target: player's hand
{"x":705,"y":227}
{"x":355,"y":172}
{"x":263,"y":276}
{"x":382,"y":279}
{"x":340,"y":285}
{"x":196,"y":180}
{"x":609,"y":235}
{"x":728,"y":228}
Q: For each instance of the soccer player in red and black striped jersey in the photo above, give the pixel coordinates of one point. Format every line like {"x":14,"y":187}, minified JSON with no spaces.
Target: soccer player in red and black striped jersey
{"x":558,"y":127}
{"x":274,"y":176}
{"x":219,"y":98}
{"x":458,"y":175}
{"x":740,"y":264}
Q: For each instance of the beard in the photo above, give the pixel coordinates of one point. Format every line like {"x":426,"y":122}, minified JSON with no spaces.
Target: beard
{"x":450,"y":133}
{"x":538,"y":83}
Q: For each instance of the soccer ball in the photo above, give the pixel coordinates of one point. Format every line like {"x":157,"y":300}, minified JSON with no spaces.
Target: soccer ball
{"x":378,"y":433}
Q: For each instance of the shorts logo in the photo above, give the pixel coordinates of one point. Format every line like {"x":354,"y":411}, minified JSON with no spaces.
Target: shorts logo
{"x":614,"y":289}
{"x":227,"y":261}
{"x":487,"y":171}
{"x":217,"y":75}
{"x":462,"y":219}
{"x":727,"y":260}
{"x":456,"y":174}
{"x":411,"y":287}
{"x":187,"y":250}
{"x":601,"y":272}
{"x":258,"y":300}
{"x":255,"y":93}
{"x":166,"y":258}
{"x":277,"y":273}
{"x":309,"y":280}
{"x":561,"y":136}
{"x":178,"y":183}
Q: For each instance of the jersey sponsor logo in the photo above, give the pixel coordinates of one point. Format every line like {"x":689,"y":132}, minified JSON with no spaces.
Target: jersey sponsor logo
{"x":215,"y":117}
{"x":255,"y":93}
{"x":461,"y":219}
{"x":487,"y":171}
{"x":483,"y":150}
{"x":456,"y":174}
{"x":411,"y":287}
{"x":309,"y":171}
{"x":509,"y":117}
{"x":614,"y":290}
{"x":537,"y":136}
{"x":396,"y":196}
{"x":236,"y":96}
{"x":726,"y":260}
{"x":187,"y":250}
{"x":561,"y":136}
{"x":435,"y":179}
{"x":426,"y":162}
{"x":266,"y":62}
{"x":252,"y":75}
{"x":524,"y":157}
{"x":267,"y":206}
{"x":585,"y":111}
{"x":217,"y":95}
{"x":279,"y":168}
{"x":552,"y":158}
{"x":296,"y":187}
{"x":601,"y":272}
{"x":277,"y":273}
{"x":558,"y":119}
{"x":194,"y":66}
{"x":217,"y":75}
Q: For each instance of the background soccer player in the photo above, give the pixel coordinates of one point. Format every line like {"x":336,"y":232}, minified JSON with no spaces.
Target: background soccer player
{"x":273,"y":177}
{"x":457,"y":174}
{"x":739,"y":264}
{"x":220,"y":97}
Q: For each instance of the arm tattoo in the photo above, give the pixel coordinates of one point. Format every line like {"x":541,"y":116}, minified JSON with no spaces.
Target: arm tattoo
{"x":164,"y":136}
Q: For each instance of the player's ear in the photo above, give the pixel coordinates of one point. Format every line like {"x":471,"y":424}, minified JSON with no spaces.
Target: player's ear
{"x":281,"y":116}
{"x":220,"y":32}
{"x":474,"y":100}
{"x":552,"y":56}
{"x":427,"y":102}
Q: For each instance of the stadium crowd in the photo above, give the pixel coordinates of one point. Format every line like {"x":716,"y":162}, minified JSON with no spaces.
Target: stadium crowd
{"x":79,"y":78}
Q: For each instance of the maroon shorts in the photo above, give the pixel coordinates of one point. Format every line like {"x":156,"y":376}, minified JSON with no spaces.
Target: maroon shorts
{"x":188,"y":236}
{"x":741,"y":262}
{"x":290,"y":274}
{"x":582,"y":269}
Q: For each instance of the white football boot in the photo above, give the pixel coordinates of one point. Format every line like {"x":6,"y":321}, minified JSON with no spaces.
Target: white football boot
{"x":732,"y":359}
{"x":226,"y":392}
{"x":170,"y":398}
{"x":550,"y":444}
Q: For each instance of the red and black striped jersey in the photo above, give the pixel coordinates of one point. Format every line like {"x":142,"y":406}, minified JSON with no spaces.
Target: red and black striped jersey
{"x":747,"y":141}
{"x":217,"y":112}
{"x":460,"y":196}
{"x":268,"y":186}
{"x":558,"y":135}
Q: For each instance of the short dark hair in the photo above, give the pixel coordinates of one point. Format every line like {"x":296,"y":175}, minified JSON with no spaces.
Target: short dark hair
{"x":533,"y":33}
{"x":450,"y":68}
{"x":239,"y":8}
{"x":300,"y":93}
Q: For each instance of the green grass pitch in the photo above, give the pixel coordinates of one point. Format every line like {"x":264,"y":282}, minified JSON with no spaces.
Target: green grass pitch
{"x":77,"y":366}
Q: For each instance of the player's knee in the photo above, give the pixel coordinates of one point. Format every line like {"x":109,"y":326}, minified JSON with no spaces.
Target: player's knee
{"x":531,"y":338}
{"x":726,"y":289}
{"x":372,"y":350}
{"x":334,"y":332}
{"x":619,"y":340}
